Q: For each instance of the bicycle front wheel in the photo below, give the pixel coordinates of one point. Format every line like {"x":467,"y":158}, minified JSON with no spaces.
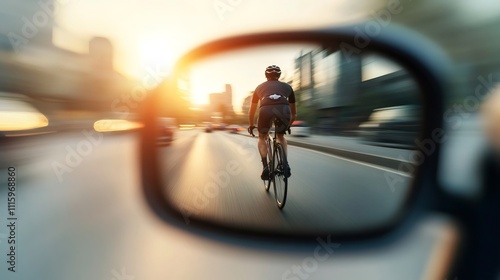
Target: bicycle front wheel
{"x":280,"y":181}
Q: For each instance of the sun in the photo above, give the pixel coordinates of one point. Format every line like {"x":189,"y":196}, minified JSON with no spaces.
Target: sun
{"x":156,"y":56}
{"x":154,"y":51}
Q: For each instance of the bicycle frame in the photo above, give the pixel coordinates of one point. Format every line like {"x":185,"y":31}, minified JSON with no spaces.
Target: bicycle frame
{"x":276,"y":151}
{"x":272,"y":156}
{"x":273,"y":140}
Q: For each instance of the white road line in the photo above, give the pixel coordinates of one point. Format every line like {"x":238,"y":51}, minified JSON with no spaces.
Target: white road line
{"x":358,"y":162}
{"x":363,"y":153}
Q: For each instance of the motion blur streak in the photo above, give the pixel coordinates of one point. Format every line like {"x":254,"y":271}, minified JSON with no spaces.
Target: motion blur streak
{"x":115,"y":125}
{"x":10,"y":121}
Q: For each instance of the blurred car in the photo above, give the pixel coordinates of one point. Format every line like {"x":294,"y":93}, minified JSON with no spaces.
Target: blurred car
{"x":234,"y":128}
{"x":208,"y":127}
{"x":300,"y":128}
{"x":397,"y":125}
{"x":167,"y":129}
{"x":219,"y":126}
{"x":19,"y":116}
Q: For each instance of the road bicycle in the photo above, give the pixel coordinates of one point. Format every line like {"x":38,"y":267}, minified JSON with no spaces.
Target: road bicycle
{"x":277,"y":163}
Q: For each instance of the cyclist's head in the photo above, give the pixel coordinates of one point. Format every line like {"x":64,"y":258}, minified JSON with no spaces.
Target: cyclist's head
{"x":273,"y":72}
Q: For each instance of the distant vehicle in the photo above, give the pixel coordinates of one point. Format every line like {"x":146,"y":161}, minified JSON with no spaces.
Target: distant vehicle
{"x":220,"y":126}
{"x":234,"y":128}
{"x":396,"y":125}
{"x":300,"y":128}
{"x":167,"y":127}
{"x":208,"y":127}
{"x":20,"y":116}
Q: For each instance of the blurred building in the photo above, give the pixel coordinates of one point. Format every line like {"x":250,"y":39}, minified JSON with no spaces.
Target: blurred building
{"x":337,"y":92}
{"x":245,"y":107}
{"x":106,"y":85}
{"x":70,"y":80}
{"x":56,"y":79}
{"x":27,"y":23}
{"x":326,"y":83}
{"x":468,"y":33}
{"x":327,"y":80}
{"x":101,"y":54}
{"x":223,"y":103}
{"x":246,"y":103}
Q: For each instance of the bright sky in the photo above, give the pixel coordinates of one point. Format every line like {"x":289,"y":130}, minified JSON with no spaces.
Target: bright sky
{"x":243,"y":70}
{"x":152,"y":34}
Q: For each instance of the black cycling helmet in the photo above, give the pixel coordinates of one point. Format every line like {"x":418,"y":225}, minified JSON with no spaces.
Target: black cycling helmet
{"x":273,"y":72}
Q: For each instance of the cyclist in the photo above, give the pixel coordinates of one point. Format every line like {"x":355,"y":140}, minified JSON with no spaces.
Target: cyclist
{"x":277,"y":101}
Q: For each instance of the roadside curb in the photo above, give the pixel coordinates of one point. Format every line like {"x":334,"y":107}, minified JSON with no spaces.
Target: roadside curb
{"x":387,"y":162}
{"x":391,"y":163}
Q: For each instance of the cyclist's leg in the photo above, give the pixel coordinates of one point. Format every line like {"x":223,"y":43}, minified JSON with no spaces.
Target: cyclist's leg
{"x":283,"y":114}
{"x":263,"y":126}
{"x":286,"y":166}
{"x":262,"y":145}
{"x":282,"y":140}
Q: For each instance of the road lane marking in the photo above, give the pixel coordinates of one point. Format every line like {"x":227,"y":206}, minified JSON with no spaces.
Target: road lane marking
{"x":358,"y":162}
{"x":350,"y":151}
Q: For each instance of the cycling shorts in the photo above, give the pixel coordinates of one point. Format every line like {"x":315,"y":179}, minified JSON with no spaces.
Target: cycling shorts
{"x":271,"y":112}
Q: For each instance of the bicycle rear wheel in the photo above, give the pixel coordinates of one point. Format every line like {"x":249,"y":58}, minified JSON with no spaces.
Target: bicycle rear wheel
{"x":267,"y":183}
{"x":280,"y":181}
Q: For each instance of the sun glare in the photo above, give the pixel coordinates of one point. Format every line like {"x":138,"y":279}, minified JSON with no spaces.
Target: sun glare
{"x":108,"y":125}
{"x":199,"y":98}
{"x":154,"y":52}
{"x":156,"y":56}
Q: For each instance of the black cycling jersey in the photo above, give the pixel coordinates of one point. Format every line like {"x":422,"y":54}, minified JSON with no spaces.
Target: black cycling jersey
{"x":273,"y":92}
{"x":275,"y":98}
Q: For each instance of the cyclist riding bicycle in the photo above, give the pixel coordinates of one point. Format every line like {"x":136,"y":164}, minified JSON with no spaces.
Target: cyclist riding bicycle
{"x":277,"y":101}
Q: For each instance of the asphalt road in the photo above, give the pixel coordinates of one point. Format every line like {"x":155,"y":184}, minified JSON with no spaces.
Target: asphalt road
{"x":91,"y":221}
{"x":216,"y":176}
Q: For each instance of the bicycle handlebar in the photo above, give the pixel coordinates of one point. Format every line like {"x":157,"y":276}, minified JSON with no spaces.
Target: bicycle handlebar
{"x":250,"y":130}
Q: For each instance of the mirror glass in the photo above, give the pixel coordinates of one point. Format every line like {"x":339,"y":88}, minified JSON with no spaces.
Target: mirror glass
{"x":352,"y":150}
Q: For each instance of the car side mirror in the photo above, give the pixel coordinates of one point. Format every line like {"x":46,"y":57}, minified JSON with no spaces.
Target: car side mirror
{"x":402,"y":78}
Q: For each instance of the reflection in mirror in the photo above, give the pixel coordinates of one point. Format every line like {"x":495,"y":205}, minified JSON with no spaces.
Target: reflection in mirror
{"x":351,"y":150}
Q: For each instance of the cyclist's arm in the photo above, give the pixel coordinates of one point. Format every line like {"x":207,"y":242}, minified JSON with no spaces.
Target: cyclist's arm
{"x":251,"y":113}
{"x":293,"y":110}
{"x":253,"y":108}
